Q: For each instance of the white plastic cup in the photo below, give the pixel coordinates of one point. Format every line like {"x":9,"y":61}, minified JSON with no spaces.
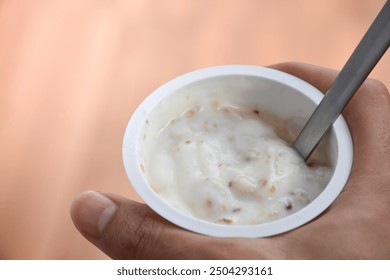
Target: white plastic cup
{"x":281,"y":94}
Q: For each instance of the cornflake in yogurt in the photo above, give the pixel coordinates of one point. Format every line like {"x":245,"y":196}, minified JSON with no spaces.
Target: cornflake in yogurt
{"x":226,"y":163}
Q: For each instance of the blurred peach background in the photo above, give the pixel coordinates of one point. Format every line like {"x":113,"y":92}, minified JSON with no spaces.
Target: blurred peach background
{"x":73,"y":71}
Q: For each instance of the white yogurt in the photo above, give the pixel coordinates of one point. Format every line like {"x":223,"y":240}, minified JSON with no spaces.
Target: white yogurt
{"x":226,"y":164}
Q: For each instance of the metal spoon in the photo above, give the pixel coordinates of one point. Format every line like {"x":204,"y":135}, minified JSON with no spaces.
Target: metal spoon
{"x":366,"y":55}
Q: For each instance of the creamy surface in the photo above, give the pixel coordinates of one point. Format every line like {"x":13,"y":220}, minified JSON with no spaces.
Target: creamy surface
{"x":226,"y":164}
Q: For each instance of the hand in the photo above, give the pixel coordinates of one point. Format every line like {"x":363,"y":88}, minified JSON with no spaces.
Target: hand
{"x":356,"y":226}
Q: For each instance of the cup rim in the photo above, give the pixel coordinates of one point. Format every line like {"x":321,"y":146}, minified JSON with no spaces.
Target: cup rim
{"x":152,"y":199}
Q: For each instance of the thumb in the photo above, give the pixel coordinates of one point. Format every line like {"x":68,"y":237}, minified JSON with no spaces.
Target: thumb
{"x":125,"y":229}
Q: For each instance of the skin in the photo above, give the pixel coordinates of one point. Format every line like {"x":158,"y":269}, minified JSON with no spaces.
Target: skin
{"x":356,"y":226}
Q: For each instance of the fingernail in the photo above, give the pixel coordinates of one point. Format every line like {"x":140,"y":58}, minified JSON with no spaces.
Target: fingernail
{"x":92,"y":211}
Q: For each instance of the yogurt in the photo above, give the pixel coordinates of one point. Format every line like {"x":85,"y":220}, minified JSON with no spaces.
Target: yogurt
{"x":228,"y":164}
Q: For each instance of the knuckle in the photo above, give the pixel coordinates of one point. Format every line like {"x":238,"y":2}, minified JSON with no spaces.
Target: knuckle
{"x":142,"y":234}
{"x":378,"y":85}
{"x":378,"y":92}
{"x":372,"y":99}
{"x":145,"y":234}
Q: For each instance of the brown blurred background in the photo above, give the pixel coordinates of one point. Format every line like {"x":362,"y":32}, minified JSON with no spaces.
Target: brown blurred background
{"x":73,"y":71}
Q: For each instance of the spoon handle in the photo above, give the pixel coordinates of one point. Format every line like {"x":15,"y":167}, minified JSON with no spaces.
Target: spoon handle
{"x":367,"y":54}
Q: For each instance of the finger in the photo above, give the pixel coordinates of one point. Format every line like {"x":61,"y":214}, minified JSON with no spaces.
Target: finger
{"x":367,"y":114}
{"x":125,"y":229}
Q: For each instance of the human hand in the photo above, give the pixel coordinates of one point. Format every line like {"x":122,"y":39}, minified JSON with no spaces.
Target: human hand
{"x":355,"y":226}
